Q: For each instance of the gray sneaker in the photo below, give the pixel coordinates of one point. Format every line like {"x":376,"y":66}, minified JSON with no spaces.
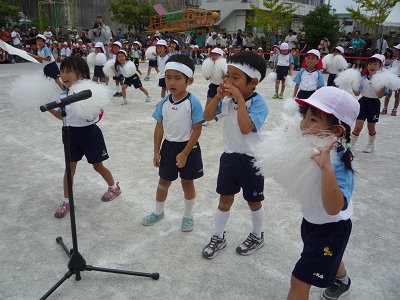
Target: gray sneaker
{"x":146,"y":78}
{"x":251,"y":244}
{"x":369,"y":148}
{"x":336,"y":291}
{"x":152,"y":218}
{"x":212,"y":248}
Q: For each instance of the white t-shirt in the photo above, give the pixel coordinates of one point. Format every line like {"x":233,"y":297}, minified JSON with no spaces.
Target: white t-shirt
{"x":161,"y":64}
{"x":16,"y":38}
{"x":45,"y":52}
{"x":48,"y":35}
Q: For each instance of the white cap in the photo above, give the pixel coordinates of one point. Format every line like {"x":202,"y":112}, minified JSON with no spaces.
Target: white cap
{"x":100,"y":45}
{"x":339,"y":48}
{"x":397,"y":47}
{"x":41,"y":36}
{"x":122,"y":51}
{"x":284,"y":46}
{"x":217,"y":51}
{"x":138,"y":43}
{"x":162,"y":43}
{"x":315,"y":52}
{"x":379,"y":57}
{"x":334,"y":101}
{"x":118,"y":44}
{"x":157,"y":33}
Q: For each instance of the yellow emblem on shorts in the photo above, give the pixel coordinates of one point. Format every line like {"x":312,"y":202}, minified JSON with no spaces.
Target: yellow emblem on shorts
{"x":327,"y":251}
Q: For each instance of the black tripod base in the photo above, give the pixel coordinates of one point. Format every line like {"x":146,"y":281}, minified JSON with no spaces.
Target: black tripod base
{"x":77,"y":264}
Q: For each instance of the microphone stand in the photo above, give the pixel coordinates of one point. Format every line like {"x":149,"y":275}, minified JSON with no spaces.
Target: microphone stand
{"x":77,"y":263}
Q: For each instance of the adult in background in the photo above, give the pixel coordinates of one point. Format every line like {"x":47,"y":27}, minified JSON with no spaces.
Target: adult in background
{"x":48,"y":34}
{"x":368,"y":43}
{"x":357,"y":43}
{"x":381,"y":44}
{"x":323,"y":46}
{"x":31,"y":37}
{"x":302,"y":47}
{"x":100,"y":32}
{"x":4,"y":35}
{"x":16,"y":41}
{"x":344,"y":43}
{"x":291,"y":39}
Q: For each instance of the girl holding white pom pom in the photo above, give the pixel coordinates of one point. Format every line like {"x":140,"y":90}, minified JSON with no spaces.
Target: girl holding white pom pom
{"x":45,"y":57}
{"x":86,"y":137}
{"x":326,"y":226}
{"x":214,"y":68}
{"x":127,"y":68}
{"x":369,"y":102}
{"x":98,"y":59}
{"x":395,"y":64}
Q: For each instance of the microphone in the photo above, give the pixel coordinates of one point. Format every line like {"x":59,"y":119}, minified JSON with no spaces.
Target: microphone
{"x":85,"y":94}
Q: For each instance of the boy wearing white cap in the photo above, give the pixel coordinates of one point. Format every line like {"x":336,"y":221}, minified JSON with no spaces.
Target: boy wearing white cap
{"x":283,"y":64}
{"x":309,"y":79}
{"x":179,"y":116}
{"x":45,"y":57}
{"x":245,"y":113}
{"x":395,"y":64}
{"x":326,"y":225}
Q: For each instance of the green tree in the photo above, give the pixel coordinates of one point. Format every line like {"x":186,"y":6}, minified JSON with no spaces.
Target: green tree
{"x":372,"y":13}
{"x":132,"y":14}
{"x":9,"y":14}
{"x":320,"y":23}
{"x":275,"y":16}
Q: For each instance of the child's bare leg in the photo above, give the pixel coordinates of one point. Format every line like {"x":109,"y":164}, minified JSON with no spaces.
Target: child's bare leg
{"x":65,"y":183}
{"x":162,"y":190}
{"x":157,"y":70}
{"x":371,"y":128}
{"x":277,"y":86}
{"x":104,"y":172}
{"x":188,"y":189}
{"x":140,"y":72}
{"x":124,"y":87}
{"x":299,"y":290}
{"x":95,"y":78}
{"x":283,"y":86}
{"x":396,"y":100}
{"x":148,"y":71}
{"x":144,"y":90}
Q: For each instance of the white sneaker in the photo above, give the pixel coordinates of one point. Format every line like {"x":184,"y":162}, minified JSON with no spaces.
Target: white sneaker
{"x":369,"y":148}
{"x":148,"y":98}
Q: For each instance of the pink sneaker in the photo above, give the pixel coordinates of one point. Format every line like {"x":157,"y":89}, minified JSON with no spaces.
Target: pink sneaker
{"x":62,"y":211}
{"x":111,"y":194}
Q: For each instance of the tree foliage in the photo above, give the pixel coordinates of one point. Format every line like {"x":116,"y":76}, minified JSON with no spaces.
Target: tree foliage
{"x":275,"y":15}
{"x":132,"y":14}
{"x":372,"y":13}
{"x":318,"y":24}
{"x":8,"y":14}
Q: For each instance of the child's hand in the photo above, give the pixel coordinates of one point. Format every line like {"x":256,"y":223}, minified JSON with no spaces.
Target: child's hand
{"x":221,"y":90}
{"x":181,"y":160}
{"x":231,"y":90}
{"x":323,"y":158}
{"x":156,"y":160}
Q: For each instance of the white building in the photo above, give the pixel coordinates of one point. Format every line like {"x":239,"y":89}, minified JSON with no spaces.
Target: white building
{"x":233,"y":13}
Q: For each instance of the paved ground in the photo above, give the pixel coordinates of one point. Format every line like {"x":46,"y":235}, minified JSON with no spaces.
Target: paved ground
{"x":110,"y":234}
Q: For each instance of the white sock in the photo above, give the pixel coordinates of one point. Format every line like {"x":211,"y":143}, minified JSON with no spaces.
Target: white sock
{"x":257,"y":218}
{"x":159,"y":208}
{"x":344,"y":279}
{"x":221,"y":218}
{"x":188,"y":211}
{"x":66,"y":200}
{"x":113,"y":186}
{"x":117,"y":89}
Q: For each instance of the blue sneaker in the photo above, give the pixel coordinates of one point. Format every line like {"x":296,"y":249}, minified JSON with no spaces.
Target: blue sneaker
{"x":187,"y":224}
{"x":251,"y":244}
{"x":152,"y":218}
{"x":211,"y":249}
{"x":124,"y":102}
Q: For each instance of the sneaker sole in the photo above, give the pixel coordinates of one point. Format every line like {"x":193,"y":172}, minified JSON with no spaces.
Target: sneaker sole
{"x":215,"y":253}
{"x":250,"y":251}
{"x":151,"y":223}
{"x":323,"y":297}
{"x":108,"y":200}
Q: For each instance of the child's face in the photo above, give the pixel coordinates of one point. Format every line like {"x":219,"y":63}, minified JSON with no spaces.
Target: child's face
{"x":121,"y":58}
{"x":161,"y":49}
{"x":238,"y":79}
{"x":69,"y":77}
{"x":373,"y":66}
{"x":311,"y":61}
{"x":176,"y":83}
{"x":313,"y":124}
{"x":214,"y":56}
{"x":284,"y":52}
{"x":39,"y":43}
{"x":98,"y":50}
{"x":115,"y":48}
{"x":336,"y":52}
{"x":397,"y":53}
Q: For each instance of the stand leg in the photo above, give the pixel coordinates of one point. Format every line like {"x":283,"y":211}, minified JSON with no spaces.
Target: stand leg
{"x":59,"y":240}
{"x":60,"y":282}
{"x":154,"y":276}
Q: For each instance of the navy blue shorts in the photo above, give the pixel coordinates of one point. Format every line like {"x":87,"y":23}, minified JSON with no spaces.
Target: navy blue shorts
{"x":51,"y":70}
{"x":369,"y":109}
{"x":237,"y":171}
{"x":98,"y":71}
{"x":323,"y":250}
{"x":281,"y":72}
{"x":119,"y":78}
{"x":212,"y":90}
{"x":88,"y":141}
{"x":168,"y":169}
{"x":153,"y":63}
{"x":161,"y":82}
{"x":304,"y":94}
{"x":133,"y":80}
{"x":136,"y":62}
{"x":331,"y":79}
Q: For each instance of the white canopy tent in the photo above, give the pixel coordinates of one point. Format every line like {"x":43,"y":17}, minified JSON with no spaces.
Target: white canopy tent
{"x":393,"y":19}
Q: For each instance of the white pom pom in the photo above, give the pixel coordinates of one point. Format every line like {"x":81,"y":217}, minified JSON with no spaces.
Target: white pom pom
{"x":101,"y":59}
{"x":290,"y":106}
{"x":91,"y":58}
{"x":339,"y":63}
{"x":207,"y":67}
{"x":289,"y":81}
{"x":30,"y":91}
{"x":271,"y":77}
{"x":150,"y":52}
{"x":90,"y":108}
{"x":128,"y":69}
{"x":108,"y":67}
{"x":385,"y":78}
{"x":327,"y":61}
{"x":348,"y":80}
